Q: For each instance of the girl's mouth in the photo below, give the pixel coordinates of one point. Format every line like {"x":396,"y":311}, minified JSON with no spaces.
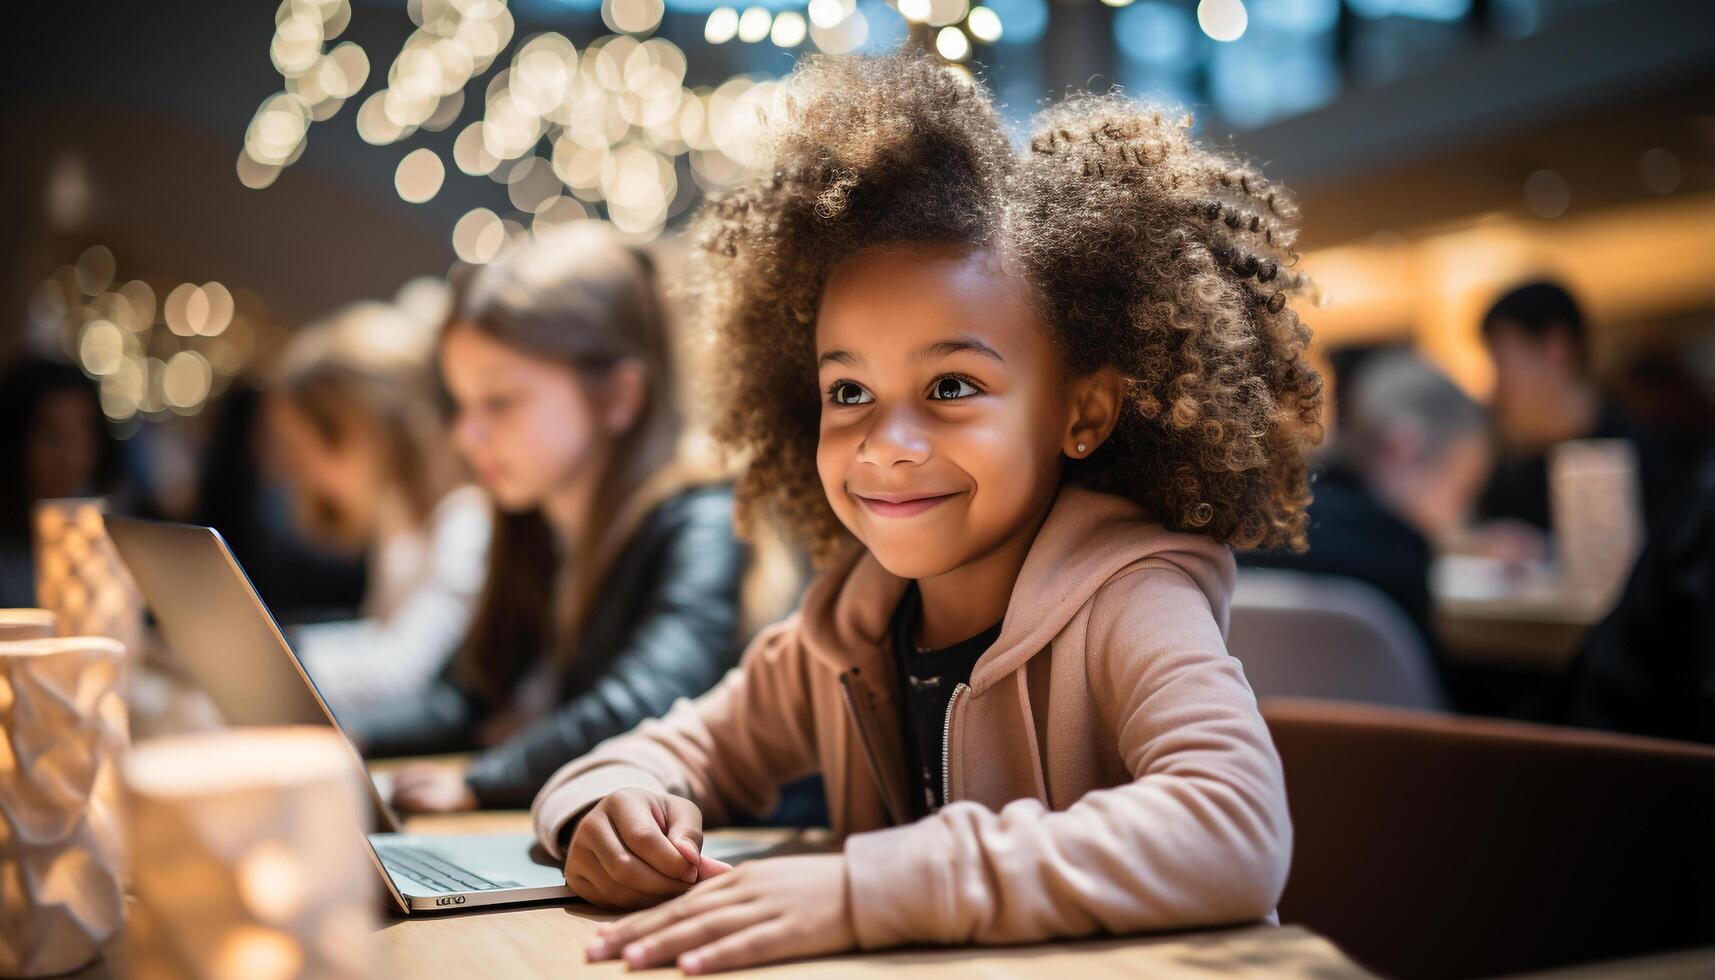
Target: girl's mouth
{"x":903,"y":504}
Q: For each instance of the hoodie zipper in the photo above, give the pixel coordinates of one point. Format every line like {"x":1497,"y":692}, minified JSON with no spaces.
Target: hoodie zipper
{"x":869,"y":751}
{"x":946,"y":745}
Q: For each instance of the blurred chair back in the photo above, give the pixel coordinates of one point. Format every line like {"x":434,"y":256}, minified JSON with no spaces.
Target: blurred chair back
{"x":1327,"y":636}
{"x":1435,"y":846}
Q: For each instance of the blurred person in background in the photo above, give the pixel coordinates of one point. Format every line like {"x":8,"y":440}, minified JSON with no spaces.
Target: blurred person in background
{"x":1649,"y":667}
{"x":1545,"y":394}
{"x":359,"y":439}
{"x":241,"y":494}
{"x":1403,"y":473}
{"x":55,"y":443}
{"x":614,"y":577}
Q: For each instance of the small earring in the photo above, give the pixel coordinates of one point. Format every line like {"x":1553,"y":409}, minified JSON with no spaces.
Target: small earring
{"x":1080,"y":447}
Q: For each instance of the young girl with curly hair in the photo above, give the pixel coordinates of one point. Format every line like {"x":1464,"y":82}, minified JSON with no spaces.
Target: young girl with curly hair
{"x":1018,"y":406}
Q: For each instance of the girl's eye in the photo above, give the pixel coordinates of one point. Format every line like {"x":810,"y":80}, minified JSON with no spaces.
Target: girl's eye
{"x":848,"y":393}
{"x":952,"y":388}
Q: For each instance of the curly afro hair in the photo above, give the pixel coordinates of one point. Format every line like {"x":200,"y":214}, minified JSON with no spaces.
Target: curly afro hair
{"x":1145,"y":251}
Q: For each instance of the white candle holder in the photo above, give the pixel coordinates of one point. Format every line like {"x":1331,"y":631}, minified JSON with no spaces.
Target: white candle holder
{"x":248,"y":857}
{"x":26,"y":624}
{"x":62,"y":731}
{"x":79,"y":575}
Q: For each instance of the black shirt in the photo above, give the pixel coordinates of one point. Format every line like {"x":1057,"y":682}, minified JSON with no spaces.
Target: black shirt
{"x":1519,"y":489}
{"x":663,"y":627}
{"x":927,"y":679}
{"x":1649,"y":668}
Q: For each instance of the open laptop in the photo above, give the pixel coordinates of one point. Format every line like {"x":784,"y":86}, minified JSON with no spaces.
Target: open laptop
{"x":229,"y":644}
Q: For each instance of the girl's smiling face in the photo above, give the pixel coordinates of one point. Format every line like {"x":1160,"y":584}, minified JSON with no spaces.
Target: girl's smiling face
{"x":945,"y":412}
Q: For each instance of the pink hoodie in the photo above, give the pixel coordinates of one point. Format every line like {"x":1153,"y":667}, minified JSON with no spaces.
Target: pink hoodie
{"x":1106,"y":767}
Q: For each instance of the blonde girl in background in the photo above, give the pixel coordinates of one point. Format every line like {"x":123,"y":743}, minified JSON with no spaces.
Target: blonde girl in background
{"x":359,"y":437}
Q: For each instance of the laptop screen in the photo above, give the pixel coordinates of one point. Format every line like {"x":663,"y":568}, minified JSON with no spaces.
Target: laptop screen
{"x":220,"y":633}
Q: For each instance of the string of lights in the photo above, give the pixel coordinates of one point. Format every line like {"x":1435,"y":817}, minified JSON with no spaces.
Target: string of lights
{"x":571,"y":134}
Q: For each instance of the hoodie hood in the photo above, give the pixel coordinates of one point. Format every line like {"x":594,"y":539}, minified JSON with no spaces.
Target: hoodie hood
{"x":1087,"y":539}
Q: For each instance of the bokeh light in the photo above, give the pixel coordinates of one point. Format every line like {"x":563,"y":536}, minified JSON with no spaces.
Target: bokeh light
{"x":789,"y":29}
{"x":847,"y":35}
{"x":829,"y":13}
{"x":185,"y":381}
{"x":478,"y":236}
{"x":722,"y":25}
{"x":1547,"y":194}
{"x":1660,"y":171}
{"x":985,"y":25}
{"x":102,"y":349}
{"x":632,"y":16}
{"x":1222,"y":20}
{"x":952,"y":44}
{"x":95,"y":269}
{"x":754,"y":24}
{"x":214,"y":311}
{"x":419,"y":175}
{"x":945,"y":12}
{"x":152,"y":357}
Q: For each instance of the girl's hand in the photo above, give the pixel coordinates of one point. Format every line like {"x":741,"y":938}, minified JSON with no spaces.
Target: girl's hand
{"x":636,"y":848}
{"x":763,"y":911}
{"x":426,"y":787}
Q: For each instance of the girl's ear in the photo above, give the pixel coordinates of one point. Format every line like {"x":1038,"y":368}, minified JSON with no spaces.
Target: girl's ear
{"x":1096,"y":399}
{"x":625,"y":387}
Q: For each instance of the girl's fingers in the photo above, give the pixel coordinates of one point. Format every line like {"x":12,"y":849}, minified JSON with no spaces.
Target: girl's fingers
{"x":764,"y":942}
{"x":665,"y":945}
{"x":591,"y":889}
{"x":581,"y":887}
{"x":615,"y":936}
{"x":684,"y":829}
{"x":644,"y":834}
{"x":628,"y":869}
{"x":608,"y":894}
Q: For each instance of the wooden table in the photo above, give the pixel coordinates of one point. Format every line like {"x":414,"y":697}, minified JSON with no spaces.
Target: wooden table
{"x":549,"y":941}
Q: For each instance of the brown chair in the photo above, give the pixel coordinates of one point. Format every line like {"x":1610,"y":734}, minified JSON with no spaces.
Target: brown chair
{"x":1431,"y":845}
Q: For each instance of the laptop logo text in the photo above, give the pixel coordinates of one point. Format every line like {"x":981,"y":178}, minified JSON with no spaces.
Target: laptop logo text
{"x":450,"y":900}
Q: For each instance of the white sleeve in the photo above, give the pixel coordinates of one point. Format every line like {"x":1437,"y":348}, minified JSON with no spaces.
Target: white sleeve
{"x":356,"y":664}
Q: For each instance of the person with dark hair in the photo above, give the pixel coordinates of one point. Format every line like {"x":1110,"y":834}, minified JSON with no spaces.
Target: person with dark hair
{"x":1648,"y":668}
{"x":1018,"y":406}
{"x":614,"y":575}
{"x":239,"y":494}
{"x":1404,"y":472}
{"x":1545,"y":394}
{"x":53,"y":433}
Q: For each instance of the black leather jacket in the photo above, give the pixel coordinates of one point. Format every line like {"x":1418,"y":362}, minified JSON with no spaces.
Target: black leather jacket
{"x":663,"y":627}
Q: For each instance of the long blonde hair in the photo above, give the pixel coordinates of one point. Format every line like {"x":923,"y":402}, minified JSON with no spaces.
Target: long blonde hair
{"x":369,"y":365}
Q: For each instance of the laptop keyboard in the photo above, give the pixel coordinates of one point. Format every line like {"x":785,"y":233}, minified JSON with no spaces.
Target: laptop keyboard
{"x":428,"y":869}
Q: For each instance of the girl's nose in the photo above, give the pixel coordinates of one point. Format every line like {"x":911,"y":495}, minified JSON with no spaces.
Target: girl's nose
{"x":467,"y":432}
{"x":896,"y":436}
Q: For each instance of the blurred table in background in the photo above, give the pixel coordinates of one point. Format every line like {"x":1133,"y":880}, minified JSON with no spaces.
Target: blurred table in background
{"x":1510,"y":615}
